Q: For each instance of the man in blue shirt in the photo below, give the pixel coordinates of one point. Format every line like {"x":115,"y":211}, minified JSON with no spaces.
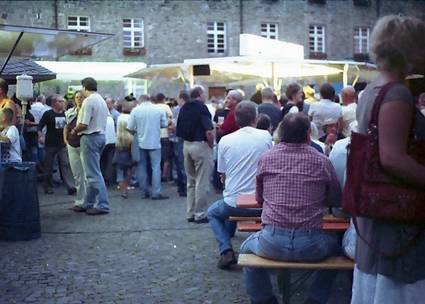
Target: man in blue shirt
{"x":146,"y":120}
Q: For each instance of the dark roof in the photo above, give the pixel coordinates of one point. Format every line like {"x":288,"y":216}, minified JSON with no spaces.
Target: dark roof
{"x":18,"y":67}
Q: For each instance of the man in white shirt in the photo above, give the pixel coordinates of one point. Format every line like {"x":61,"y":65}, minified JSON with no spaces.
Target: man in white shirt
{"x":146,"y":120}
{"x":238,"y":153}
{"x":348,"y":96}
{"x":91,"y":124}
{"x":39,"y":107}
{"x":325,"y":109}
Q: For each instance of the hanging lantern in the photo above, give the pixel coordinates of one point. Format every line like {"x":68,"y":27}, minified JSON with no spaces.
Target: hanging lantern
{"x":24,"y":90}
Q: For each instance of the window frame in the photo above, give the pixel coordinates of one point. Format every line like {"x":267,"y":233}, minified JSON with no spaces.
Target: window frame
{"x":316,"y":37}
{"x":133,"y":30}
{"x":217,"y":48}
{"x":78,"y":27}
{"x":267,"y":33}
{"x":359,"y":40}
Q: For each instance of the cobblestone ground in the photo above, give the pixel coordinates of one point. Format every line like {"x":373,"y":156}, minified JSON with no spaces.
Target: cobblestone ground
{"x":144,"y":251}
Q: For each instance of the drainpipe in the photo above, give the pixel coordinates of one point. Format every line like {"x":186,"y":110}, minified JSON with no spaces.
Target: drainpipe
{"x":240,"y":16}
{"x":56,"y":14}
{"x":378,"y":8}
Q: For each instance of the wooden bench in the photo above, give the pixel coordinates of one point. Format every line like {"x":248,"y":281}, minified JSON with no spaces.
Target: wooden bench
{"x":254,"y":227}
{"x":284,"y":277}
{"x":245,"y":218}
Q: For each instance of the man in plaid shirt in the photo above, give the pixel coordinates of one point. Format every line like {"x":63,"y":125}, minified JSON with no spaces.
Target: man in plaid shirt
{"x":294,"y":184}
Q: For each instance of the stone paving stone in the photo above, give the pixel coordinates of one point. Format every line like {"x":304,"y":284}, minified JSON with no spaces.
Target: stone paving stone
{"x":144,"y":251}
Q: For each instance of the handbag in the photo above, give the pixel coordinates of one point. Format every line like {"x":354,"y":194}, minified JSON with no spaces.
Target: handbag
{"x":73,"y":139}
{"x":372,"y":192}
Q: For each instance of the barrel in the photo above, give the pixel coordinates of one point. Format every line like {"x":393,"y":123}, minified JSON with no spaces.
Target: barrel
{"x":19,"y":206}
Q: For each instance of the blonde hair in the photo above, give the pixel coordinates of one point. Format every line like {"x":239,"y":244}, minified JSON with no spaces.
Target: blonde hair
{"x":124,"y":137}
{"x":398,"y":44}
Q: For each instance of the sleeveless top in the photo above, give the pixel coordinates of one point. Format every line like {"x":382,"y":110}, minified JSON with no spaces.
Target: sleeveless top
{"x":388,"y":236}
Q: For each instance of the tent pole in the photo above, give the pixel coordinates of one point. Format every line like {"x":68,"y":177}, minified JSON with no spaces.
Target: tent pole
{"x":11,"y":52}
{"x":191,"y":77}
{"x":345,"y":76}
{"x":274,"y":76}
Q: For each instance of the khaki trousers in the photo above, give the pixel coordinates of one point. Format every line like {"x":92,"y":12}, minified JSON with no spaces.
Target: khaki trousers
{"x":198,"y":164}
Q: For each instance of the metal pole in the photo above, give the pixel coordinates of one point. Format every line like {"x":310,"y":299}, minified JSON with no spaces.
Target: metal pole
{"x":11,"y":52}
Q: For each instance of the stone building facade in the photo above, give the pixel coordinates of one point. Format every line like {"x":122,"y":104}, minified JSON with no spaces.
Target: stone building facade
{"x":174,"y":30}
{"x":169,"y":31}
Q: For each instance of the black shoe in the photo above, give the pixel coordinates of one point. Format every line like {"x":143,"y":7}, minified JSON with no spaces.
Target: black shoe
{"x":72,"y":191}
{"x":182,"y":194}
{"x":77,"y":209}
{"x":160,"y":197}
{"x":227,"y":259}
{"x":124,"y":195}
{"x":146,"y":195}
{"x":191,"y":219}
{"x":203,"y":220}
{"x":94,"y":211}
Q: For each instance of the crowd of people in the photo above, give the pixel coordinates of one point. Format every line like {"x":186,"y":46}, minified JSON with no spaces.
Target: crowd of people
{"x":291,"y":152}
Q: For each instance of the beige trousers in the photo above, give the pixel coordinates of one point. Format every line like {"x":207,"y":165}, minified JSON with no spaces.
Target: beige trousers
{"x":198,"y":164}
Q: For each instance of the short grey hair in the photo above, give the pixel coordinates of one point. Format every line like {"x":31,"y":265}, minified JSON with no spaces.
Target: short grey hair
{"x":267,"y":93}
{"x":398,"y":44}
{"x":246,"y":113}
{"x":235,"y":94}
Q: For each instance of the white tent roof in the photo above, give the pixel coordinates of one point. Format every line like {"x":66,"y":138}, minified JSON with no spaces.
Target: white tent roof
{"x":74,"y":70}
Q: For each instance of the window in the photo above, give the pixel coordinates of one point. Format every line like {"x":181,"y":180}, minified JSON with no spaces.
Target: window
{"x":79,"y":23}
{"x":269,"y":30}
{"x":132,"y":33}
{"x":316,"y":34}
{"x":216,"y":33}
{"x":361,"y":40}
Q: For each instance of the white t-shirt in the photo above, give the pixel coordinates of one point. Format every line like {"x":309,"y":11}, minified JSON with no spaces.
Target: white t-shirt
{"x":124,"y":117}
{"x":338,"y":158}
{"x":110,"y":135}
{"x":169,"y":114}
{"x":93,"y":113}
{"x":238,"y":155}
{"x":322,"y":111}
{"x":348,"y":116}
{"x":13,"y":154}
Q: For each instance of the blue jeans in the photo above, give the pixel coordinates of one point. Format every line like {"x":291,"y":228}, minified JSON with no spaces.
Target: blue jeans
{"x":142,"y":174}
{"x":218,"y":215}
{"x":289,"y":245}
{"x":178,"y":159}
{"x":91,"y":148}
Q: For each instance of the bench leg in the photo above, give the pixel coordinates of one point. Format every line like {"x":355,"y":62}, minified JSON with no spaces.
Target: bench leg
{"x":284,"y":283}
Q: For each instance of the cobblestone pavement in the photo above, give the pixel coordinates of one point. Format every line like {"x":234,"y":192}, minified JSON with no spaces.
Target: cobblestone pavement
{"x":144,"y":251}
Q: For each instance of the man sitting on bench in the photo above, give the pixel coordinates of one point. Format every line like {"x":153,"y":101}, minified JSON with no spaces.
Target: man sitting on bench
{"x":294,"y":182}
{"x":238,"y":154}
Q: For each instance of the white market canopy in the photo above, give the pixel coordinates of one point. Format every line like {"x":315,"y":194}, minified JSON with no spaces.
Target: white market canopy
{"x":73,"y":70}
{"x":260,"y":58}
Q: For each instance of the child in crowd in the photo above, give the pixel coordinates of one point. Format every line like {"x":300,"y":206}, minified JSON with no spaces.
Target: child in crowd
{"x":122,"y":158}
{"x":10,"y":134}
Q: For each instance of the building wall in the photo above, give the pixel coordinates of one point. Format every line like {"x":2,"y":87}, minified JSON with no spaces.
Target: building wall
{"x":176,"y":29}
